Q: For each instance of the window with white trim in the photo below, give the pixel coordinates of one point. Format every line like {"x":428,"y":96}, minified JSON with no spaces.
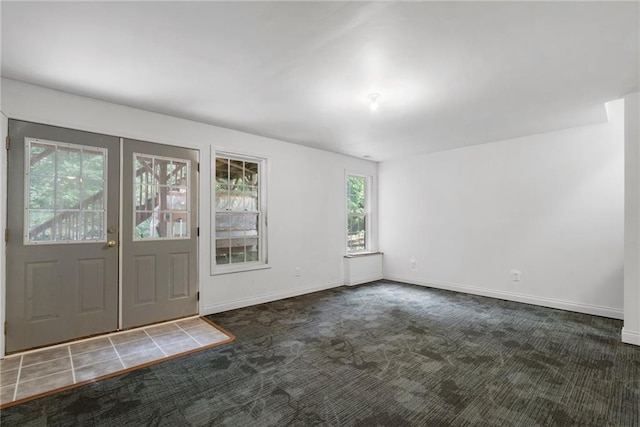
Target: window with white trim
{"x":358,"y":214}
{"x":239,"y":223}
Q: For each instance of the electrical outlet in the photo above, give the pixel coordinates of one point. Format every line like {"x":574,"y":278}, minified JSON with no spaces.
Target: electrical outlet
{"x":516,"y":276}
{"x":297,"y":271}
{"x":412,"y":263}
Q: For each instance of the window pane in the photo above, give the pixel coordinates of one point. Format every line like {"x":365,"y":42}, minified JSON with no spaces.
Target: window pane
{"x":250,"y":224}
{"x":162,"y":223}
{"x":93,"y":225}
{"x":223,"y":227}
{"x":250,"y":173}
{"x":356,"y":237}
{"x":223,"y":255}
{"x":236,"y":172}
{"x":252,"y":249}
{"x":42,"y":159}
{"x":41,"y":192}
{"x":222,"y":197}
{"x":68,"y":192}
{"x":251,"y":198}
{"x":144,"y":169}
{"x":144,"y":225}
{"x":222,"y":171}
{"x":68,"y":162}
{"x":236,"y":201}
{"x":180,"y":224}
{"x":92,"y":194}
{"x":237,"y":250}
{"x":356,"y":194}
{"x":92,"y":165}
{"x":177,"y":200}
{"x":41,"y":225}
{"x":144,"y":197}
{"x":236,"y":224}
{"x":67,"y":225}
{"x":177,"y":174}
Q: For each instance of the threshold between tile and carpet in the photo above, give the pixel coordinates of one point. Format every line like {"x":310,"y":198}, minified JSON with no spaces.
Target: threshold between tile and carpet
{"x":41,"y":372}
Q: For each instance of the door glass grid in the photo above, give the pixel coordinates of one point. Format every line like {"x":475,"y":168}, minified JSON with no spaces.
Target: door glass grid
{"x":65,"y":192}
{"x":161,"y":197}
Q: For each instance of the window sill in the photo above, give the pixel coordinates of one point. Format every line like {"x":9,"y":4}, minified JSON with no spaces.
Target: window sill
{"x":362,"y":254}
{"x":239,"y":269}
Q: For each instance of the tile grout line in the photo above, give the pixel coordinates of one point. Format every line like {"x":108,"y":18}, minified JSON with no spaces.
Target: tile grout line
{"x":190,"y":336}
{"x":93,"y":338}
{"x":48,"y":375}
{"x":73,"y":369}
{"x":154,"y":341}
{"x":117,"y":353}
{"x":44,"y":361}
{"x":15,"y":392}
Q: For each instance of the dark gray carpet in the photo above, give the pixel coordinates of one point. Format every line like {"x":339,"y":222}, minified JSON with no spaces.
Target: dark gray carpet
{"x":383,"y":354}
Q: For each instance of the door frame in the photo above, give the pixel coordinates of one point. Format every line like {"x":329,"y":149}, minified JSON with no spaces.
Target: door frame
{"x":4,"y":130}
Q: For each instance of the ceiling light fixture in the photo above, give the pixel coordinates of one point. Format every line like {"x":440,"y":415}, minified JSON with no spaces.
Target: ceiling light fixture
{"x":374,"y":101}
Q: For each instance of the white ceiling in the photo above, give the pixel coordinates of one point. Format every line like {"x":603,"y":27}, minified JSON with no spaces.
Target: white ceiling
{"x":450,"y":74}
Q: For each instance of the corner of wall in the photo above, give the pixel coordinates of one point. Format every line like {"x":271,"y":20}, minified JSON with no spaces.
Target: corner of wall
{"x":631,"y":330}
{"x":4,"y":127}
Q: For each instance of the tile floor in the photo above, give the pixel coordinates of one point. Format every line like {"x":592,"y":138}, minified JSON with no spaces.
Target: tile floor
{"x":39,"y":371}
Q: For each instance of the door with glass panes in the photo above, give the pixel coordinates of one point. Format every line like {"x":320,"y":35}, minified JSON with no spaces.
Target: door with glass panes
{"x":66,"y":238}
{"x":159,"y":245}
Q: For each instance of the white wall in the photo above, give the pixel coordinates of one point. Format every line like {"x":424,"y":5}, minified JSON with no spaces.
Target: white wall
{"x":361,"y":269}
{"x":549,"y":205}
{"x":306,"y":191}
{"x":631,"y":330}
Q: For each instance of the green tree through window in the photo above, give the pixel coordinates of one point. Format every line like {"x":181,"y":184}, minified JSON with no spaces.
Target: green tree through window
{"x":356,"y":213}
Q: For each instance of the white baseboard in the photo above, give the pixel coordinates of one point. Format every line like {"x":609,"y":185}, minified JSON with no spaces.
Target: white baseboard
{"x":630,"y":337}
{"x":512,"y":296}
{"x":261,"y":299}
{"x":352,"y":281}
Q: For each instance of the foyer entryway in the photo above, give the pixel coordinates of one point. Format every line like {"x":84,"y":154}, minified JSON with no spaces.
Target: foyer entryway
{"x":37,"y":373}
{"x":102,"y":234}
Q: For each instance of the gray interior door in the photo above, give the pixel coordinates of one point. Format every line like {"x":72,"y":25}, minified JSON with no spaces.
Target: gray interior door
{"x":62,"y":272}
{"x":159,"y":233}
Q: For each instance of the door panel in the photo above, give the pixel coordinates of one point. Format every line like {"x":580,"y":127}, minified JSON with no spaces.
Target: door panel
{"x":179,"y":275}
{"x":42,"y":288}
{"x":61,"y":275}
{"x":92,"y":285}
{"x":159,"y":233}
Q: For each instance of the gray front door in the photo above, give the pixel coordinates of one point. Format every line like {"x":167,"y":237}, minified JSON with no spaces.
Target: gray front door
{"x":159,"y":233}
{"x":62,"y":272}
{"x":65,"y":232}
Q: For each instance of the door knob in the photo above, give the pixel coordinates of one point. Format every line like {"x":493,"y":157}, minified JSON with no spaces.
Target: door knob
{"x":111,"y":243}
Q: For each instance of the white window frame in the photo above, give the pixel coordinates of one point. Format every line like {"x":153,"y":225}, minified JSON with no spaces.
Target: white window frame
{"x":263,"y":259}
{"x":369,"y":217}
